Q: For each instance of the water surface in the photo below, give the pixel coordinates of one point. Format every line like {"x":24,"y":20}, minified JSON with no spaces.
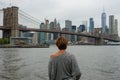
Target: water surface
{"x":95,"y":62}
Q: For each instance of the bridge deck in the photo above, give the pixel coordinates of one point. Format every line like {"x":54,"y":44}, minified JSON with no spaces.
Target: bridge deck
{"x":61,"y":32}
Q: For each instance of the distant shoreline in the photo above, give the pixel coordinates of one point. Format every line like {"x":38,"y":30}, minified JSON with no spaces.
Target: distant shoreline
{"x":47,"y":46}
{"x":98,"y":45}
{"x":24,"y":46}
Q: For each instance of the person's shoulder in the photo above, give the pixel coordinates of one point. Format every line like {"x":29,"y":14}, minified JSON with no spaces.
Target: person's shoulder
{"x":53,"y":55}
{"x":69,"y":54}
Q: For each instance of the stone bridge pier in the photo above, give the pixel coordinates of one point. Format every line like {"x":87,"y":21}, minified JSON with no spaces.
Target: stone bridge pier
{"x":10,"y":20}
{"x":99,"y":41}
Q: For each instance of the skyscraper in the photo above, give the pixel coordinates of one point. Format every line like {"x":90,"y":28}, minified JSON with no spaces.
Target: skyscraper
{"x":103,"y":22}
{"x":86,"y":25}
{"x":35,"y":38}
{"x":81,"y":28}
{"x":58,"y":25}
{"x":42,"y":35}
{"x":68,"y":25}
{"x":51,"y":37}
{"x":55,"y":24}
{"x":91,"y":25}
{"x":116,"y":27}
{"x":74,"y":37}
{"x":47,"y":27}
{"x":111,"y":24}
{"x":56,"y":28}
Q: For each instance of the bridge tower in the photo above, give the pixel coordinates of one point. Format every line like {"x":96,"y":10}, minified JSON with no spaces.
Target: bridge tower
{"x":10,"y":20}
{"x":99,"y":41}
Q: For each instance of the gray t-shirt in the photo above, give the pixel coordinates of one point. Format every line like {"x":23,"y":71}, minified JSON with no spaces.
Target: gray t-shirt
{"x":63,"y":66}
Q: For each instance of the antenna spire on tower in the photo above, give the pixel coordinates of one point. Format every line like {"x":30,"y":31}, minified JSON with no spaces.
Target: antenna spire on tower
{"x":10,"y":3}
{"x":103,"y":9}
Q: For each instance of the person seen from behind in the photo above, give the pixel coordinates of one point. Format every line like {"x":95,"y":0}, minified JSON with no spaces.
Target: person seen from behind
{"x":63,"y":65}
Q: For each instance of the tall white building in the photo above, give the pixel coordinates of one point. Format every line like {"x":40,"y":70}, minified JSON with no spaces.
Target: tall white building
{"x":68,"y":24}
{"x":113,"y":25}
{"x":116,"y":27}
{"x":35,"y":38}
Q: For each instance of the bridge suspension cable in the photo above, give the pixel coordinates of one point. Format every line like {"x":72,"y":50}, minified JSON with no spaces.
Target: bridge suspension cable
{"x":27,"y":16}
{"x":28,"y":19}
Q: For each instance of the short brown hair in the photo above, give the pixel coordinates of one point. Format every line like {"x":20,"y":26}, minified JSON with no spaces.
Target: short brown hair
{"x":61,"y":43}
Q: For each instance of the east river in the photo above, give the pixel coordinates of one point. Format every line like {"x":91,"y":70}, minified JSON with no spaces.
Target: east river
{"x":95,"y":62}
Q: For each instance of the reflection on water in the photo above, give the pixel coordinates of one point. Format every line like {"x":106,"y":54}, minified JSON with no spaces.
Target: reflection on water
{"x":11,"y":62}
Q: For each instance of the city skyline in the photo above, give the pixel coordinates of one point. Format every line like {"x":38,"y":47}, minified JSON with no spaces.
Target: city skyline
{"x":12,"y":29}
{"x":76,"y":11}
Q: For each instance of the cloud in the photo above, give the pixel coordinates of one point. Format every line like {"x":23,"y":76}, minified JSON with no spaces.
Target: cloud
{"x":75,"y":10}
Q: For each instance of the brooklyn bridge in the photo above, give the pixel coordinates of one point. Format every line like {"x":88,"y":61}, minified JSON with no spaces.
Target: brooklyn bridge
{"x":10,"y":28}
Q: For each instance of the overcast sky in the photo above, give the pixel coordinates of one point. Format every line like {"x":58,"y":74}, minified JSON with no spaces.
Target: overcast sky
{"x":74,"y":10}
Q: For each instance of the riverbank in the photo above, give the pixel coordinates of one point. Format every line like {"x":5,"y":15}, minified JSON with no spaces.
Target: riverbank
{"x":24,"y":46}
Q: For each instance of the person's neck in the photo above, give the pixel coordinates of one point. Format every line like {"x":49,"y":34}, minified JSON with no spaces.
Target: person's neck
{"x":61,"y":51}
{"x":58,"y":53}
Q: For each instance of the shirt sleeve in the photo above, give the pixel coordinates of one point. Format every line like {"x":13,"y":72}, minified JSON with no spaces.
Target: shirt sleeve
{"x":51,"y":72}
{"x":75,"y":69}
